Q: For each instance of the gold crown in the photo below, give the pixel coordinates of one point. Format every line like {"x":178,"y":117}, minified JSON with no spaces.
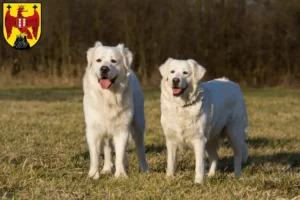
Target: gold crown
{"x":21,"y":6}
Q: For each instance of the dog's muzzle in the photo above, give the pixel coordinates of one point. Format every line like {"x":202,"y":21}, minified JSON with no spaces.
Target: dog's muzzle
{"x":106,"y":82}
{"x":177,"y":91}
{"x":104,"y":71}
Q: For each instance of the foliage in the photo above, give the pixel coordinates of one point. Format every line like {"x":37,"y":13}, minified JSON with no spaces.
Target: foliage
{"x":254,"y":42}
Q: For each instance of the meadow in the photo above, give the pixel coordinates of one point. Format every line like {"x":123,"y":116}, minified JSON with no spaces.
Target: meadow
{"x":44,"y":154}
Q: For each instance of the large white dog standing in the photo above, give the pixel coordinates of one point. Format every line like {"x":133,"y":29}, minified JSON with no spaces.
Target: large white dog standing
{"x":113,"y":108}
{"x":200,"y":114}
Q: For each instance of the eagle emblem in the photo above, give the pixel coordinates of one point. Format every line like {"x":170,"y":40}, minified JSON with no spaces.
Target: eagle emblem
{"x":22,"y":24}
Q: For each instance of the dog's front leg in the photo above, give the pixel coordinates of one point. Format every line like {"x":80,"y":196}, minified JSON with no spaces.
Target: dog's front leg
{"x":199,"y":148}
{"x":108,"y":164}
{"x":120,"y":142}
{"x":94,"y":141}
{"x":171,"y":148}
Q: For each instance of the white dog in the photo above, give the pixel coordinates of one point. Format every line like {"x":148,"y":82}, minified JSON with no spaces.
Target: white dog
{"x":199,"y":114}
{"x":113,"y":108}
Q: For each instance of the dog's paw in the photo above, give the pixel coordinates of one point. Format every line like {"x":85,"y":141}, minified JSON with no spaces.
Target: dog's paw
{"x":199,"y":180}
{"x":211,"y":174}
{"x":106,"y":171}
{"x":237,"y":174}
{"x":169,"y":175}
{"x":121,"y":175}
{"x":143,"y":169}
{"x":94,"y":174}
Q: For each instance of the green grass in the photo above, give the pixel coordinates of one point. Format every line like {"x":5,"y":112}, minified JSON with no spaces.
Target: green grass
{"x":44,"y":151}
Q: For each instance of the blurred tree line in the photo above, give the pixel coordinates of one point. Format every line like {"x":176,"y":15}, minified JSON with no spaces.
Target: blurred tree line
{"x":254,"y":42}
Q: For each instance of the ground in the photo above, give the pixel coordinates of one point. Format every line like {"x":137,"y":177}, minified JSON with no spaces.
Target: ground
{"x":44,"y":153}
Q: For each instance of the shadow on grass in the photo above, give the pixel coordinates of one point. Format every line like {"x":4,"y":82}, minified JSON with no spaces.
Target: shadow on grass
{"x":284,"y":158}
{"x":41,"y":94}
{"x":149,"y":149}
{"x":66,"y":94}
{"x":292,"y":160}
{"x":265,"y":142}
{"x":270,"y":92}
{"x":80,"y":156}
{"x":56,"y":94}
{"x":10,"y":192}
{"x":272,"y":143}
{"x":226,"y":164}
{"x":155,"y":149}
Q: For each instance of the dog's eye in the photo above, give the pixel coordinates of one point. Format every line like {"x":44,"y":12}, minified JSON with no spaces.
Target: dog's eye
{"x":113,"y":61}
{"x":185,"y":73}
{"x":98,"y":60}
{"x":172,"y":71}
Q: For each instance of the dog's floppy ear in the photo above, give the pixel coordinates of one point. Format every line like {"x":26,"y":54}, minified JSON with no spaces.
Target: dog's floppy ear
{"x":97,"y":44}
{"x":89,"y":55}
{"x":90,"y":52}
{"x":127,"y":56}
{"x":164,"y":68}
{"x":198,"y":70}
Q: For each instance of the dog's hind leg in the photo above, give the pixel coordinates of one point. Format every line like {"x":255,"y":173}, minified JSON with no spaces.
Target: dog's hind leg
{"x":211,"y":149}
{"x":236,"y":138}
{"x":138,"y":138}
{"x":245,"y":152}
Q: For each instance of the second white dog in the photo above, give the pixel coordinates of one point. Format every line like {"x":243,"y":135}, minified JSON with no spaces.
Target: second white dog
{"x":200,"y":114}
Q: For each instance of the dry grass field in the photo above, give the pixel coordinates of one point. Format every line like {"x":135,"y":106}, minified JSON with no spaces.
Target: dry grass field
{"x":44,"y":154}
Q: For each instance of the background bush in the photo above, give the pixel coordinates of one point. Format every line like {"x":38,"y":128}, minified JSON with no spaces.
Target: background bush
{"x":255,"y":43}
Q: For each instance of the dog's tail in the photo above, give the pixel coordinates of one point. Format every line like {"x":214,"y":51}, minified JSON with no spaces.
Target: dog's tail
{"x":242,"y":113}
{"x":246,"y":128}
{"x":241,"y":109}
{"x":246,"y":124}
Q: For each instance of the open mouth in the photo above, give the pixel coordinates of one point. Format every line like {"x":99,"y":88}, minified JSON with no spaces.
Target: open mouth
{"x":178,"y":91}
{"x":106,"y":82}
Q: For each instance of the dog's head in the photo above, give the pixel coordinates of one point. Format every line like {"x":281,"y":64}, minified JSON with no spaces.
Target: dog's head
{"x":109,"y":64}
{"x":181,"y":74}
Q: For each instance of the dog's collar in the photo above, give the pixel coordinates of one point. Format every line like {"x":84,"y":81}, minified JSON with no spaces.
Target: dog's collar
{"x":190,"y":103}
{"x":196,"y":96}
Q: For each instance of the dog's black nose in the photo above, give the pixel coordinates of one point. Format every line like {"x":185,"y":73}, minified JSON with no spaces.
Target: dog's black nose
{"x":104,"y":69}
{"x":175,"y":81}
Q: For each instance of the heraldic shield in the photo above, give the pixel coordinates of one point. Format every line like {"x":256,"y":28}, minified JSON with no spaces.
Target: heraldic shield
{"x":22,"y":24}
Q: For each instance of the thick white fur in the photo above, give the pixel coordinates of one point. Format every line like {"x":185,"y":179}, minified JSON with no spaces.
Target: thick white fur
{"x":112,"y":114}
{"x":201,"y":116}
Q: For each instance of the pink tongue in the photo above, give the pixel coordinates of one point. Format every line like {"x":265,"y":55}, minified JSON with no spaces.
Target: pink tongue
{"x":105,"y":83}
{"x":176,"y":90}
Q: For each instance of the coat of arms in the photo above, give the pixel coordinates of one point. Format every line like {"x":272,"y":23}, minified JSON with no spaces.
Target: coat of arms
{"x":22,"y":24}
